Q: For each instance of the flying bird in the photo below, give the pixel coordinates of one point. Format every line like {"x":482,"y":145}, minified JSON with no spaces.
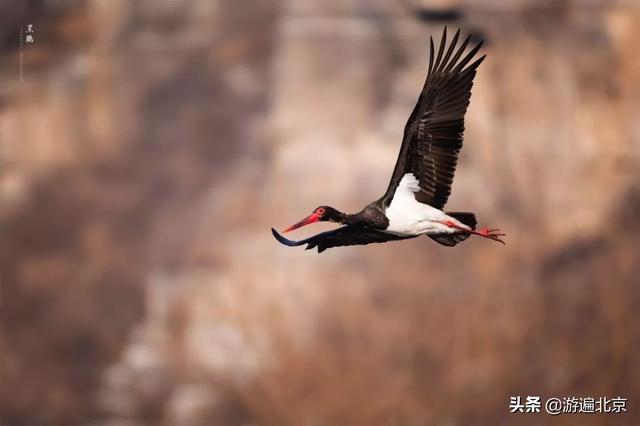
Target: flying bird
{"x":422,"y":178}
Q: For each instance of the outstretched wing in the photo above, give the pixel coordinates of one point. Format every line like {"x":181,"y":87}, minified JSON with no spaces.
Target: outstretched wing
{"x":433,"y":134}
{"x":349,"y":235}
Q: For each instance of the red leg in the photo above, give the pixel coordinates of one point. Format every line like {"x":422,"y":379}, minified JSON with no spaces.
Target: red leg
{"x":492,"y":234}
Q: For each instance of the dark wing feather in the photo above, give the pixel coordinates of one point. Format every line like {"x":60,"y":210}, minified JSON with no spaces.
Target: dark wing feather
{"x":433,"y":134}
{"x":349,"y":235}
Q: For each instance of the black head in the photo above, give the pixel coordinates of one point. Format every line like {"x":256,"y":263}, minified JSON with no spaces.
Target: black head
{"x":320,"y":214}
{"x":328,"y":214}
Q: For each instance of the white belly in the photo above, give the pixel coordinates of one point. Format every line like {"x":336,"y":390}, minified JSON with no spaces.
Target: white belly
{"x":409,"y":217}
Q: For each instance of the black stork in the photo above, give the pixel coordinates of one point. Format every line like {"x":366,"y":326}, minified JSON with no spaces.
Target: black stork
{"x":421,"y":181}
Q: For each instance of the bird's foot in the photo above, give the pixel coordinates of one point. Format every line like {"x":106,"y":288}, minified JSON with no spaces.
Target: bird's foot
{"x":492,"y":234}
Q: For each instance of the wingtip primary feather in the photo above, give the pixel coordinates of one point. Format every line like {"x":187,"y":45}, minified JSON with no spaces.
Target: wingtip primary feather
{"x":474,"y":65}
{"x":461,"y":49}
{"x":443,"y":42}
{"x":447,"y":55}
{"x":291,"y":243}
{"x":283,"y":240}
{"x":444,"y":62}
{"x":467,"y":58}
{"x":431,"y":49}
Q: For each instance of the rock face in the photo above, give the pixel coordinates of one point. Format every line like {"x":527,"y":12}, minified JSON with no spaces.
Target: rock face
{"x":148,"y":150}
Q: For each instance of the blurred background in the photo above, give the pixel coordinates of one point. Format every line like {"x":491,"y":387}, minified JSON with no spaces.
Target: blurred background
{"x":147,"y":147}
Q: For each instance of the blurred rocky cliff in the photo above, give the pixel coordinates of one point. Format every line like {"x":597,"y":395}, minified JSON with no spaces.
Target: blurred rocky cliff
{"x":146,"y":148}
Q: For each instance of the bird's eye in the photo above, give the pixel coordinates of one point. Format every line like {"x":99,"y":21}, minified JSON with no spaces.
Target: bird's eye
{"x":320,"y":211}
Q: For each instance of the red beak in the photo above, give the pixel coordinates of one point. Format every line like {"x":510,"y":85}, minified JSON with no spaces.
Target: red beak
{"x":314,"y":217}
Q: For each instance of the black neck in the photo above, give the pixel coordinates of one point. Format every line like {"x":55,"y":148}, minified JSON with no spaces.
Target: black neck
{"x":371,"y":216}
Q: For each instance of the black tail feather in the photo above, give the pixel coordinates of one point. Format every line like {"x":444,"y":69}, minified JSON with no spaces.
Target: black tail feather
{"x":449,"y":240}
{"x":467,"y":218}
